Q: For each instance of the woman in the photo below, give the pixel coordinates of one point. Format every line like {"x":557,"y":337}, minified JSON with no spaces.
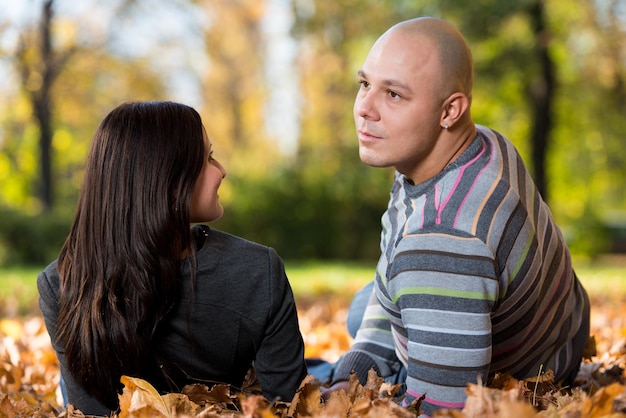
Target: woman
{"x":136,"y":292}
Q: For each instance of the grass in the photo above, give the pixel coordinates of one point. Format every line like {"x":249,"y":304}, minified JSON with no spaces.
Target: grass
{"x":605,"y":277}
{"x":18,"y":290}
{"x":316,"y":278}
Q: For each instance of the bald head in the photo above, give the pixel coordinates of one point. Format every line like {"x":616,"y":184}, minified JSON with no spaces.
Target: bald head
{"x":455,"y":57}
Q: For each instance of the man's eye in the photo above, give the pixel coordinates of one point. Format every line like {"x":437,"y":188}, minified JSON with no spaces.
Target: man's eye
{"x":364,"y":83}
{"x":394,"y":95}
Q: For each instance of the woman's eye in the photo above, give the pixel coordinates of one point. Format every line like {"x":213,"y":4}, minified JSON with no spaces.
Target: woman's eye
{"x":364,"y":83}
{"x":394,"y":95}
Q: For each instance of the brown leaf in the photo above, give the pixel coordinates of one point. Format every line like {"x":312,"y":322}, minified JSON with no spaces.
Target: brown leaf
{"x":251,"y":384}
{"x":388,"y":390}
{"x":307,"y":402}
{"x":6,"y":408}
{"x":179,"y":404}
{"x":29,"y":370}
{"x":539,"y":390}
{"x":355,"y":389}
{"x":491,"y":403}
{"x":200,"y":394}
{"x":416,"y":406}
{"x":139,"y":398}
{"x":256,"y":406}
{"x":389,"y":408}
{"x":601,"y":403}
{"x":619,"y":403}
{"x":449,"y":413}
{"x":373,"y":382}
{"x":503,"y":381}
{"x":337,"y":405}
{"x":360,"y":407}
{"x":72,"y":412}
{"x":590,"y":349}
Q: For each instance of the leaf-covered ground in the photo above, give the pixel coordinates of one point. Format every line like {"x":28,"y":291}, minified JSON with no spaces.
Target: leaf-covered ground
{"x":29,"y":379}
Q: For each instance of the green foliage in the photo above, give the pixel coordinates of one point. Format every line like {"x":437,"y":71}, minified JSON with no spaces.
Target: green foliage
{"x":308,"y":213}
{"x":31,"y":239}
{"x":324,"y":203}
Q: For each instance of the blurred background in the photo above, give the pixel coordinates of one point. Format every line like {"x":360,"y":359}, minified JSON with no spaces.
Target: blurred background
{"x":275,"y":82}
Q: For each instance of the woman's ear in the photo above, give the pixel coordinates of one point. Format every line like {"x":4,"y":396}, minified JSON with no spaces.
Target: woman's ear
{"x":454,"y":108}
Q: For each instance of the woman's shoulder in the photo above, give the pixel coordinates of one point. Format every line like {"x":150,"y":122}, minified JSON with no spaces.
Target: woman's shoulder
{"x":49,"y":273}
{"x":48,"y":280}
{"x":230,"y":255}
{"x":215,"y":240}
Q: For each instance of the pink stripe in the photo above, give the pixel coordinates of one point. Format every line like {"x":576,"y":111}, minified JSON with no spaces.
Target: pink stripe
{"x":480,"y":173}
{"x":438,"y":220}
{"x":454,"y":405}
{"x":456,"y":184}
{"x":423,"y":213}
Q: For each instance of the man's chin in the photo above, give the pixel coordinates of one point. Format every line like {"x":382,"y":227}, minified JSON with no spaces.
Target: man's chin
{"x":372,"y":161}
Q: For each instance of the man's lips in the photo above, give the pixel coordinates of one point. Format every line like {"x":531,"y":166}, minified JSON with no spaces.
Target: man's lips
{"x":366,"y":136}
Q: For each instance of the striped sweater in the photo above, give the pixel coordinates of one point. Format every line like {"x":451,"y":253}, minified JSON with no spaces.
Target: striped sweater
{"x":474,"y":278}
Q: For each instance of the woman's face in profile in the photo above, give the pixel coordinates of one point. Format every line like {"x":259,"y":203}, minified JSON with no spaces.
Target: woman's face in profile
{"x":205,"y":202}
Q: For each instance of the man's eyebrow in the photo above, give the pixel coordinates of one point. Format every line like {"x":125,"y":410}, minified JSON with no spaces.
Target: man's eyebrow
{"x":388,"y":82}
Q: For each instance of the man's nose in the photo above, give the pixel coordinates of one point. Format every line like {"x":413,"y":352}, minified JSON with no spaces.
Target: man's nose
{"x":365,"y":106}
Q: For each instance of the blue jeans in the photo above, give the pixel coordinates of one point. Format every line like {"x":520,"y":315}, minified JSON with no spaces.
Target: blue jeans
{"x":357,"y":308}
{"x":63,"y":392}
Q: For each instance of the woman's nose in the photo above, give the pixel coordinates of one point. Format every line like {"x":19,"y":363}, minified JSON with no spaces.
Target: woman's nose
{"x":219,"y":166}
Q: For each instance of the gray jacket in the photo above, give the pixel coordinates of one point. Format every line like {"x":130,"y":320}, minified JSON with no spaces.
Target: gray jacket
{"x":240,"y":312}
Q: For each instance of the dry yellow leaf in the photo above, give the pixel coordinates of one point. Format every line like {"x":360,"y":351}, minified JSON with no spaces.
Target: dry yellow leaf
{"x":601,"y":403}
{"x":140,"y":395}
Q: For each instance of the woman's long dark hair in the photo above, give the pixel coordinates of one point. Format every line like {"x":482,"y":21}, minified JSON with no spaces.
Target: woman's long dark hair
{"x":119,"y":264}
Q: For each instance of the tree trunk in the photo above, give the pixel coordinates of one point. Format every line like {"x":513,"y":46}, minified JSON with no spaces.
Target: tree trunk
{"x":542,"y":98}
{"x":42,"y":104}
{"x":47,"y":65}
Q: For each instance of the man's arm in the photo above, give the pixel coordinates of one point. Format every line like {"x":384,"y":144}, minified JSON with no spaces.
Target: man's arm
{"x":445,"y":287}
{"x":373,"y":346}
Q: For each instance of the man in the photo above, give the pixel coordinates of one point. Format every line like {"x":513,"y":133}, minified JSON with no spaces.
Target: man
{"x":474,"y":277}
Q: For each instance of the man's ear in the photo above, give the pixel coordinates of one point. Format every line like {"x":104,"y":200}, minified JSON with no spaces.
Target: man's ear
{"x":454,"y":108}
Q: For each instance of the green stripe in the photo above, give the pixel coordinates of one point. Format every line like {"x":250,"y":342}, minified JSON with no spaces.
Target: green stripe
{"x":375,"y":317}
{"x":521,"y":260}
{"x":437,"y":291}
{"x":387,"y":331}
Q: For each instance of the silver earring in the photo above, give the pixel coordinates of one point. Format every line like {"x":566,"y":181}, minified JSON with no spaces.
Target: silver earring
{"x":445,"y":126}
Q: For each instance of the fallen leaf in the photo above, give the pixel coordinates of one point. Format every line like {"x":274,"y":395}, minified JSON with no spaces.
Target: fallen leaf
{"x":601,"y":403}
{"x":139,"y":397}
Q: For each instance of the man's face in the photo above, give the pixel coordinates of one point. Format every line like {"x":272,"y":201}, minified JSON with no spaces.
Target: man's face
{"x":398,"y":108}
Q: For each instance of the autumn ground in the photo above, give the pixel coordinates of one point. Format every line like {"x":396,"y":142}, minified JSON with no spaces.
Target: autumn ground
{"x":29,"y":375}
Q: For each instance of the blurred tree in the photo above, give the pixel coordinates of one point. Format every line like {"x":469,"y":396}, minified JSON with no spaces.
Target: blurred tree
{"x":72,"y":71}
{"x":587,"y":171}
{"x":341,"y":198}
{"x":39,"y":66}
{"x":538,"y":80}
{"x":234,"y":86}
{"x":545,"y":69}
{"x":541,"y":95}
{"x":512,"y":41}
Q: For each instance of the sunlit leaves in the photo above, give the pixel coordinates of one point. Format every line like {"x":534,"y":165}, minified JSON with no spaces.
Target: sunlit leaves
{"x":29,"y":382}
